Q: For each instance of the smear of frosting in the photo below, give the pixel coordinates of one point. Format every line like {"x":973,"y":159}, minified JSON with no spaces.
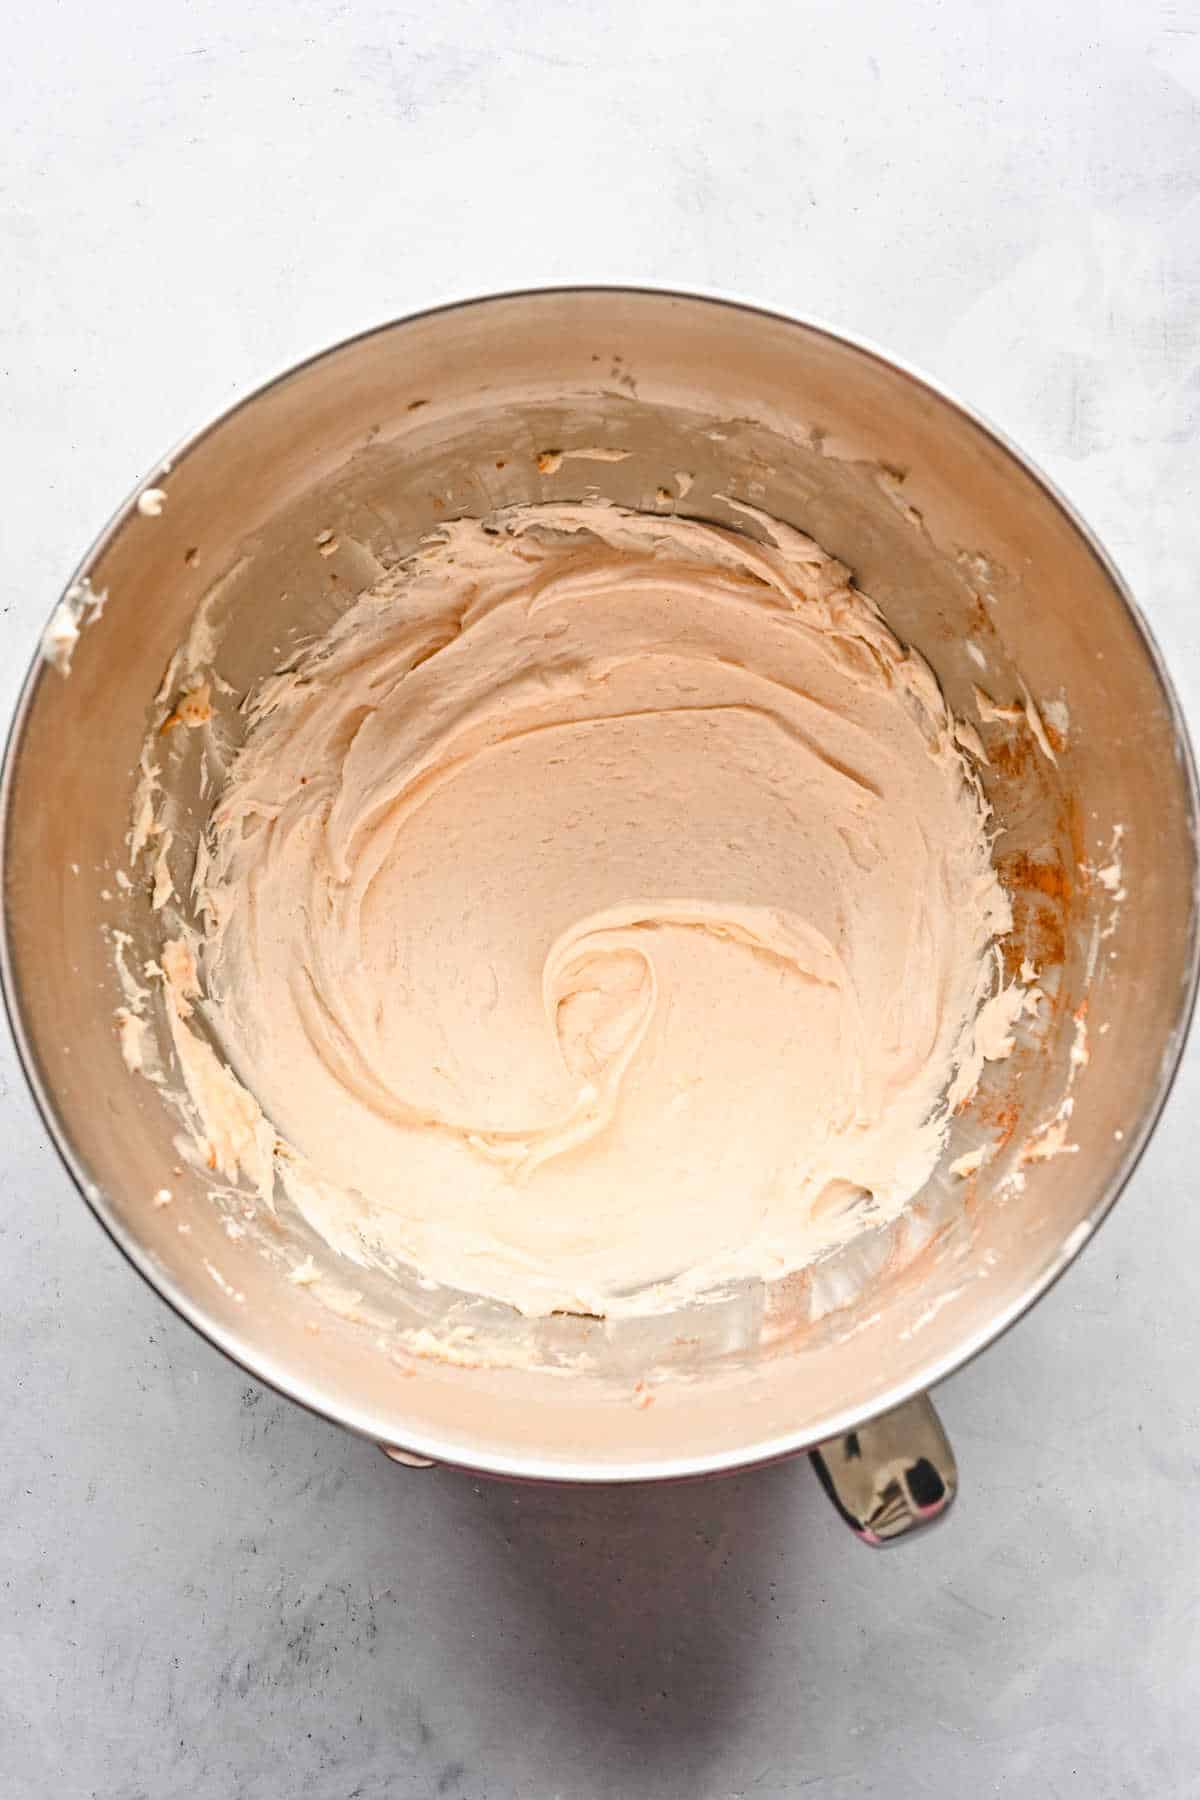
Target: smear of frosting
{"x":602,"y":911}
{"x":81,"y":605}
{"x":1025,"y":710}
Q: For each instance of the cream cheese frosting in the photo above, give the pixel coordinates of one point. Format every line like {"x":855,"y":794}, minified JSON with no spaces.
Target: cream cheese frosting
{"x":601,"y":912}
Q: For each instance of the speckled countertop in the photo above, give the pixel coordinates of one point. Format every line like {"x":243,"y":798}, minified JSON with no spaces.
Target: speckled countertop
{"x":207,"y":1594}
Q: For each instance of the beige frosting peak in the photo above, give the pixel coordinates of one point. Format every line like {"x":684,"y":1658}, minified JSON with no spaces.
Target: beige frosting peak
{"x":603,"y":910}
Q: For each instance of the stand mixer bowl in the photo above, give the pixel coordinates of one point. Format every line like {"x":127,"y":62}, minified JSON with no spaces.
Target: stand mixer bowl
{"x":973,"y":558}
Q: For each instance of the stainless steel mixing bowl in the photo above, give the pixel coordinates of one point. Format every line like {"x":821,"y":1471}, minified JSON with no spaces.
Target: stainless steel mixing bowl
{"x":974,"y":559}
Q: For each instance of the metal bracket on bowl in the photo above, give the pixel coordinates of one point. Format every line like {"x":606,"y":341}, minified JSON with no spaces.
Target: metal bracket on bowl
{"x":893,"y":1476}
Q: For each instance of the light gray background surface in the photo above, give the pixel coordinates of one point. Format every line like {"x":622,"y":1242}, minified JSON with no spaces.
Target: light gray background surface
{"x":205,"y":1593}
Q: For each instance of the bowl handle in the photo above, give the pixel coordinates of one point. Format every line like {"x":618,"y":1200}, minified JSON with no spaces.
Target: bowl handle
{"x":893,"y":1476}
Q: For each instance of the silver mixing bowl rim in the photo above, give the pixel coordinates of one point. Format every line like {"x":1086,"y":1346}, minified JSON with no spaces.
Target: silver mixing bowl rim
{"x":383,"y":1428}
